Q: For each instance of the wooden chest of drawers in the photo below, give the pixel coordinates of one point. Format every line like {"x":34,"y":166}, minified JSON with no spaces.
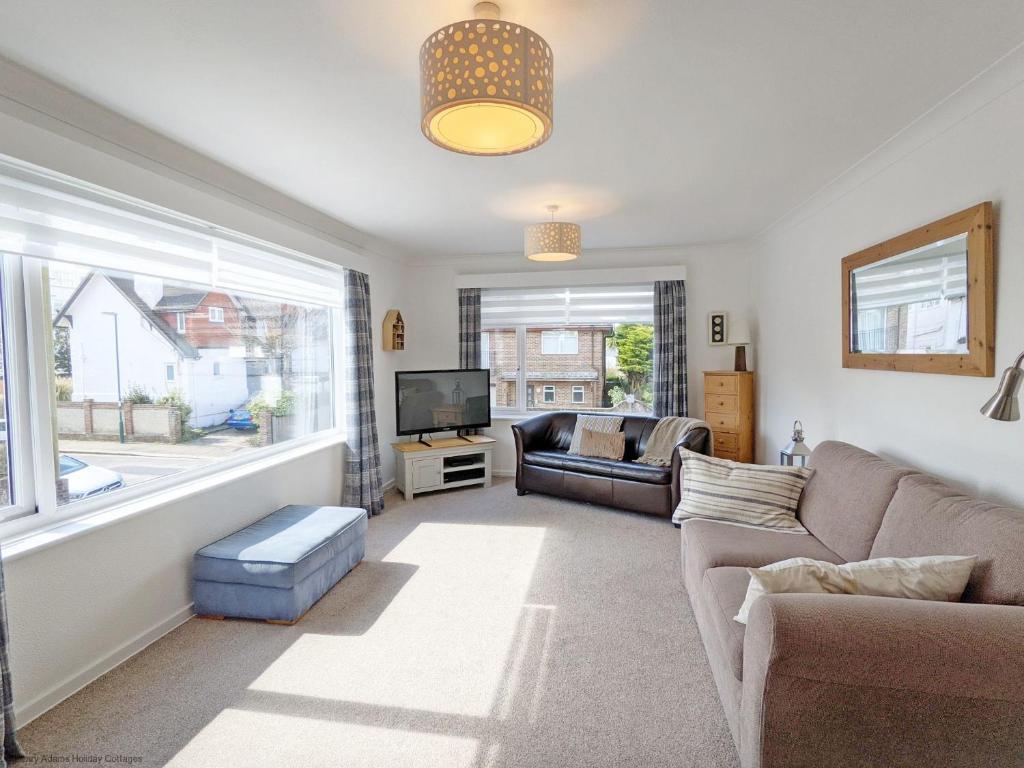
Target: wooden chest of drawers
{"x":729,"y":409}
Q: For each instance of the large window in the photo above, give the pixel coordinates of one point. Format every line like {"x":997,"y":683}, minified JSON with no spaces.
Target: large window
{"x":147,"y":347}
{"x":570,"y":348}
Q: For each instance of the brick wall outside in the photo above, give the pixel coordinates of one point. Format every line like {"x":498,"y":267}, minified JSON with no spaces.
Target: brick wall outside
{"x":201,"y":333}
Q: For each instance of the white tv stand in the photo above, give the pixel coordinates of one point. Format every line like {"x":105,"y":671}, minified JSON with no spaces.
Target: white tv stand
{"x":454,"y":462}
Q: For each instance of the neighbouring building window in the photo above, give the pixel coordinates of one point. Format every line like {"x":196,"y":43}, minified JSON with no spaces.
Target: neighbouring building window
{"x":547,"y":348}
{"x":128,"y":374}
{"x":560,"y":342}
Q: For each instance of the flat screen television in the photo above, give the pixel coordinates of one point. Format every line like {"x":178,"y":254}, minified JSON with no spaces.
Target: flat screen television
{"x":439,"y":401}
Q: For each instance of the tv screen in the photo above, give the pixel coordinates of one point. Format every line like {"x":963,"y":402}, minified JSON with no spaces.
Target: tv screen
{"x":437,"y":401}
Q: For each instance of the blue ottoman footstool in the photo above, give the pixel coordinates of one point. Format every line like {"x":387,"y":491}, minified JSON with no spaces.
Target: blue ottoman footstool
{"x":276,"y":568}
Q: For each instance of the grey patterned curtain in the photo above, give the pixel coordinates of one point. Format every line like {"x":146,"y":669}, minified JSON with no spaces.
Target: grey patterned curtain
{"x":670,"y":348}
{"x":363,"y":487}
{"x":11,"y":746}
{"x":469,"y":327}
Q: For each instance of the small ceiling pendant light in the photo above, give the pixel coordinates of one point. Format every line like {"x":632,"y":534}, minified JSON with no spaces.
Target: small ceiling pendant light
{"x":486,"y":86}
{"x":552,"y":240}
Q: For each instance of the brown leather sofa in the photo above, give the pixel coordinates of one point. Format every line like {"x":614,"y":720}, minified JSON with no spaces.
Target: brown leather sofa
{"x":544,"y":465}
{"x":860,"y":681}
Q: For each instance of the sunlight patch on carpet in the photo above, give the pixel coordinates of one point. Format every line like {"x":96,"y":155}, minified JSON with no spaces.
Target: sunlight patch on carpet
{"x":243,"y":738}
{"x":443,"y":642}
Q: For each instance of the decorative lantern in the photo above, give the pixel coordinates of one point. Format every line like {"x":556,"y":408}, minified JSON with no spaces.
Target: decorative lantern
{"x":796,"y":450}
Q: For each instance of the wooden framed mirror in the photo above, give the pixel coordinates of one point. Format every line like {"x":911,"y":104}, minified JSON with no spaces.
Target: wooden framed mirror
{"x":924,"y":301}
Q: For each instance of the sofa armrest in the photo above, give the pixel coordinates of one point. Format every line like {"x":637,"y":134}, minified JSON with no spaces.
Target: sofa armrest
{"x":697,"y":440}
{"x":856,"y":680}
{"x":530,"y":434}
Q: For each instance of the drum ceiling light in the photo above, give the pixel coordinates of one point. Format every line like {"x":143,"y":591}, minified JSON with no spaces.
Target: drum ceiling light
{"x":486,"y":86}
{"x":552,"y":240}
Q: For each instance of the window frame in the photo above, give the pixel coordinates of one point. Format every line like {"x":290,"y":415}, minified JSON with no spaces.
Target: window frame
{"x":581,"y":391}
{"x":17,"y":393}
{"x":561,"y":335}
{"x":34,"y":469}
{"x":179,"y":320}
{"x":215,"y":314}
{"x":548,"y":389}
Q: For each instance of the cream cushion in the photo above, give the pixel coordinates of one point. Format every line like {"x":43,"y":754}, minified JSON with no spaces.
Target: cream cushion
{"x":594,"y":424}
{"x":603,"y":445}
{"x":937,"y":577}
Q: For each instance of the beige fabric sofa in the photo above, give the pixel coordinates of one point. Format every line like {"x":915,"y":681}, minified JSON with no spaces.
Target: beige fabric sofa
{"x":845,"y":680}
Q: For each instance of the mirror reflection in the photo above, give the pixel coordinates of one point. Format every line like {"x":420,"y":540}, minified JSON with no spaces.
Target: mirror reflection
{"x":912,"y":303}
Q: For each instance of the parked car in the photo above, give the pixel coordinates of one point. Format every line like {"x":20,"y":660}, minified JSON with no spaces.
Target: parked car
{"x":85,"y":480}
{"x":241,"y":419}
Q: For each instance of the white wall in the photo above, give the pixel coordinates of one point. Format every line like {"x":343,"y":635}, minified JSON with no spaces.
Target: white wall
{"x":969,"y":150}
{"x":212,"y":395}
{"x":78,"y":609}
{"x":142,"y":352}
{"x":717,"y":278}
{"x":82,"y":606}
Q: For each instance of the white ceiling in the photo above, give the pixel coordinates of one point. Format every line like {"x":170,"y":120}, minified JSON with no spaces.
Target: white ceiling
{"x":676,"y":121}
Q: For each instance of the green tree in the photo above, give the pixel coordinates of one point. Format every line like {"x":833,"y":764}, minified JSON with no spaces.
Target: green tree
{"x":635,"y":346}
{"x":62,"y":351}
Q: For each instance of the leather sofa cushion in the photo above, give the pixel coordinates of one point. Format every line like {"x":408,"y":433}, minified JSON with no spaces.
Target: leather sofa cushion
{"x":724,"y":590}
{"x":846,"y":497}
{"x":622,"y":470}
{"x":927,"y":517}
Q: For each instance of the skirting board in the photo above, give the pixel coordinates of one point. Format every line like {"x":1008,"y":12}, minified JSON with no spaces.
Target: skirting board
{"x":25,"y":714}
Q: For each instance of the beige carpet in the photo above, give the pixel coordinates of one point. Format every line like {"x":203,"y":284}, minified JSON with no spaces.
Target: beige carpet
{"x":482,"y":630}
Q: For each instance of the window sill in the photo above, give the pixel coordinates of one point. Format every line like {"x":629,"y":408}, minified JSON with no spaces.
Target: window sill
{"x":23,"y":543}
{"x":512,"y":415}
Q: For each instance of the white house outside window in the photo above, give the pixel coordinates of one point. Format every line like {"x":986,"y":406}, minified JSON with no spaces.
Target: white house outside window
{"x":103,"y":329}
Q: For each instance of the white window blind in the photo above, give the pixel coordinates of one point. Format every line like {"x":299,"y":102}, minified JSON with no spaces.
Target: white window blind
{"x":588,"y":305}
{"x":932,"y":273}
{"x":51,"y":217}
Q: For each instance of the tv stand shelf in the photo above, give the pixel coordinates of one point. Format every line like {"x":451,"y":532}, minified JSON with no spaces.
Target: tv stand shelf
{"x":423,"y":468}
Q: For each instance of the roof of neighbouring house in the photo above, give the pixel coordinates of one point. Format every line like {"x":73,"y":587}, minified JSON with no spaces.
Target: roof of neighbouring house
{"x":127,"y":289}
{"x":181,"y":301}
{"x":554,"y":375}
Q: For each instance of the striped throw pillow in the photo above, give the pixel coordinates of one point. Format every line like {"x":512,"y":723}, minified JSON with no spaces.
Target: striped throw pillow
{"x":603,"y":445}
{"x":751,"y":495}
{"x":594,"y":424}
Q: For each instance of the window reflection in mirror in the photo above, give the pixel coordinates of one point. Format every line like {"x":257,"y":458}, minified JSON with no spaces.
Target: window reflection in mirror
{"x":912,"y":303}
